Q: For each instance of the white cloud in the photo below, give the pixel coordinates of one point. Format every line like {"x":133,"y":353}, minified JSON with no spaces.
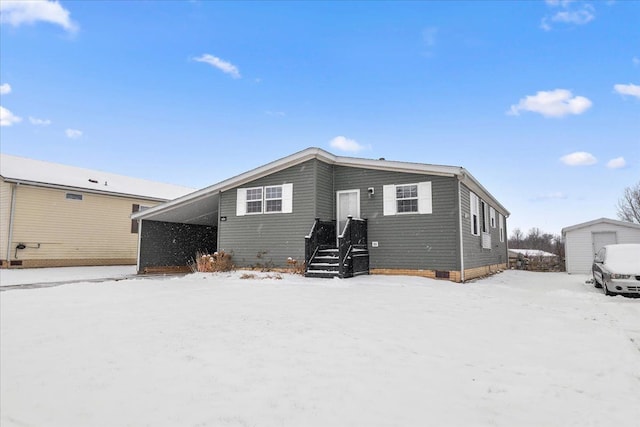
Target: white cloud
{"x":5,"y":88}
{"x":630,"y":89}
{"x":7,"y":118}
{"x":18,"y":12}
{"x":635,"y":60}
{"x":39,"y":122}
{"x":570,"y":13}
{"x":579,"y":158}
{"x":616,"y":163}
{"x":222,"y":65}
{"x":553,"y":103}
{"x":345,"y":144}
{"x":73,"y":133}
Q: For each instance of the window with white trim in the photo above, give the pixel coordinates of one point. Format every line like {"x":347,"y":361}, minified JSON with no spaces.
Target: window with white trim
{"x":407,"y":198}
{"x":474,"y":203}
{"x":492,"y":217}
{"x":485,"y":216}
{"x":273,"y":199}
{"x":264,"y":200}
{"x":501,"y":224}
{"x":254,"y":200}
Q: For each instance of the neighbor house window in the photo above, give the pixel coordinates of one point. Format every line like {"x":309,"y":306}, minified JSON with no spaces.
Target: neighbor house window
{"x":73,"y":196}
{"x":501,"y":223}
{"x":268,"y":199}
{"x":254,"y":200}
{"x":474,"y":202}
{"x":407,"y":198}
{"x":273,"y":199}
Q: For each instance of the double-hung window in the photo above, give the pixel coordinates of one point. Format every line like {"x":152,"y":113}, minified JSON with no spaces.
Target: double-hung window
{"x":407,"y":198}
{"x":254,"y":200}
{"x":273,"y":198}
{"x":475,"y":214}
{"x":501,"y":223}
{"x":265,"y":200}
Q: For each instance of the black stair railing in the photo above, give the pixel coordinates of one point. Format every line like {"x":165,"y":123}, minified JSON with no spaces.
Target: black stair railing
{"x":321,"y":236}
{"x":353,"y":240}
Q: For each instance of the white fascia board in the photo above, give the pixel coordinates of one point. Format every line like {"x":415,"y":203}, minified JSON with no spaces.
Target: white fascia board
{"x":467,"y":179}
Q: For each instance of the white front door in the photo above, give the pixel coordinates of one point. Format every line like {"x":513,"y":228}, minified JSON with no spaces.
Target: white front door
{"x":347,"y":204}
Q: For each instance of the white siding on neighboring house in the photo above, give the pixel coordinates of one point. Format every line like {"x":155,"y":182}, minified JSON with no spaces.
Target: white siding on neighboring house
{"x":580,"y":241}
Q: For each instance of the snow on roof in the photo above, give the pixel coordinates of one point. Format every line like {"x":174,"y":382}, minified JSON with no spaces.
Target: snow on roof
{"x":46,"y":174}
{"x":532,"y":253}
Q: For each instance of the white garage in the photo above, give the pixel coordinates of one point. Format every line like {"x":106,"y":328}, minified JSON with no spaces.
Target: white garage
{"x":582,"y":241}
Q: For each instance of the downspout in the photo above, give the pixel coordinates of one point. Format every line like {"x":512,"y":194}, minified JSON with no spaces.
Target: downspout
{"x":14,"y":190}
{"x":460,"y":230}
{"x":139,"y":244}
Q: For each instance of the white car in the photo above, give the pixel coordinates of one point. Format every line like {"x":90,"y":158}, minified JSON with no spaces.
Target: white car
{"x":616,"y":269}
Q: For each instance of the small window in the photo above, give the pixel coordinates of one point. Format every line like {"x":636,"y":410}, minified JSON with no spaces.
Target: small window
{"x":485,"y":217}
{"x":501,"y":221}
{"x":254,"y":200}
{"x":407,"y":198}
{"x":73,"y":196}
{"x":492,"y":215}
{"x":475,"y":214}
{"x":273,"y":199}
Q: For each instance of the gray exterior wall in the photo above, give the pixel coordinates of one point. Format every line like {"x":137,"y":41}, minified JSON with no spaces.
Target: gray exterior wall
{"x":166,"y":244}
{"x":270,"y":238}
{"x":474,"y":254}
{"x":409,"y":241}
{"x":325,"y":193}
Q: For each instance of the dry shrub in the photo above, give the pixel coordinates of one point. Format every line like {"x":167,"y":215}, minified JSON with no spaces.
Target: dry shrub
{"x":295,"y":266}
{"x":210,"y":263}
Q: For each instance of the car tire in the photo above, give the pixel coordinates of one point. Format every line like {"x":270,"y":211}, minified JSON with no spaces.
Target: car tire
{"x":596,"y":284}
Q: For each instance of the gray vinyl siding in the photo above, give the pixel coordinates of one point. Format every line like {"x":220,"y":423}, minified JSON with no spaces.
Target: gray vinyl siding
{"x":325,"y":194}
{"x":474,"y":254}
{"x":407,"y":241}
{"x":276,"y":236}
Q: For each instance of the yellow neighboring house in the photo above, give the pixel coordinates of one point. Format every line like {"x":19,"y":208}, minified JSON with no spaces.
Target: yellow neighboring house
{"x":52,"y":215}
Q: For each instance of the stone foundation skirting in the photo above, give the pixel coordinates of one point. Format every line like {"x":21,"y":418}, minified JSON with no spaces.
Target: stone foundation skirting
{"x":453,"y":276}
{"x":485,"y":270}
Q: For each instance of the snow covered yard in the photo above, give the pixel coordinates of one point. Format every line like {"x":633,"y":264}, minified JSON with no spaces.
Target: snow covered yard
{"x":516,"y":349}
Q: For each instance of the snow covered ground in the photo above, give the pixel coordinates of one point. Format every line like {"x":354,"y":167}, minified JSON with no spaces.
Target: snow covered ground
{"x":516,"y":349}
{"x":23,"y":276}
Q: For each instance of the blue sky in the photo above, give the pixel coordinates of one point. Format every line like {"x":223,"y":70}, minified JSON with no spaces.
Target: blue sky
{"x":539,"y":100}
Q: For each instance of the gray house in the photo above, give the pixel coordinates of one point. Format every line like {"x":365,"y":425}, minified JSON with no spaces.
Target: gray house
{"x":343,"y":216}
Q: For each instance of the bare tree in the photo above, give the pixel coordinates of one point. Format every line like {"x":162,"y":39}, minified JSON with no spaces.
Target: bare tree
{"x":629,"y":204}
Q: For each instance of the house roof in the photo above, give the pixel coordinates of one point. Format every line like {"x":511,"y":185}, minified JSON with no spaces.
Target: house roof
{"x":600,"y":221}
{"x":53,"y":175}
{"x":202,"y":202}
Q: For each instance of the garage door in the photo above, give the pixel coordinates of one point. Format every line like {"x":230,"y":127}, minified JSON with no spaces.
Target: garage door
{"x":603,"y":238}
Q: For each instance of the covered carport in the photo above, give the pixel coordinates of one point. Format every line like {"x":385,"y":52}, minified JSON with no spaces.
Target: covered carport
{"x":170,"y":234}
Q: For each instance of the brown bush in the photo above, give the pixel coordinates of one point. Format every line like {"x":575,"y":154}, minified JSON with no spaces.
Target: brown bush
{"x":295,"y":266}
{"x":210,"y":263}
